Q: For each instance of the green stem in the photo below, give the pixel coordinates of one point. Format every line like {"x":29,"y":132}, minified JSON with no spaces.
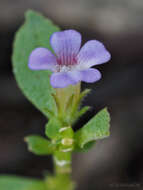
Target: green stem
{"x":65,"y":99}
{"x":61,"y":180}
{"x":62,"y":158}
{"x":63,"y":170}
{"x":62,"y":166}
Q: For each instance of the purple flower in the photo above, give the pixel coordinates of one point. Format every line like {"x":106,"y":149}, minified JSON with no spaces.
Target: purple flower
{"x":70,"y":64}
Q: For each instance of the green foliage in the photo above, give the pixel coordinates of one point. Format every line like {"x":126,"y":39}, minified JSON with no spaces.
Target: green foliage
{"x":19,"y":183}
{"x":39,"y":145}
{"x":35,"y":32}
{"x":76,"y":112}
{"x":81,"y":112}
{"x":86,"y":147}
{"x":62,"y":106}
{"x":96,"y":128}
{"x":53,"y":127}
{"x":62,"y":181}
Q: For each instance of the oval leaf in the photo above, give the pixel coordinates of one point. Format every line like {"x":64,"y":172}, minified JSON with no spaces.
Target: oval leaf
{"x":96,"y":128}
{"x":39,"y":145}
{"x":35,"y":84}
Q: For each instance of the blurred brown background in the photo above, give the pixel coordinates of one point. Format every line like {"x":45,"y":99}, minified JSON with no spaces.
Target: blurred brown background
{"x":116,"y":162}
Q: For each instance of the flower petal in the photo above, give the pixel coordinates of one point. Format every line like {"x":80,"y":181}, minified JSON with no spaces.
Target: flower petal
{"x":42,"y":59}
{"x":63,"y":79}
{"x":66,"y":45}
{"x":90,"y":75}
{"x":93,"y":53}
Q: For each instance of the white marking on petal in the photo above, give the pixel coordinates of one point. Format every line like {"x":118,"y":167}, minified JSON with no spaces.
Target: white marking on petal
{"x":64,"y":68}
{"x":80,"y":67}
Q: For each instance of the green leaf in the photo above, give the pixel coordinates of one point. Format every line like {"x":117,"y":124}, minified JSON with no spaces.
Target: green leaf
{"x":19,"y":183}
{"x":82,"y":111}
{"x":39,"y":145}
{"x":96,"y":128}
{"x":35,"y":85}
{"x":76,"y":113}
{"x":86,"y":147}
{"x":53,"y":128}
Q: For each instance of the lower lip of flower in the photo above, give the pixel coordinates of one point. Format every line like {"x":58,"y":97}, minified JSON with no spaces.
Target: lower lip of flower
{"x":64,"y":68}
